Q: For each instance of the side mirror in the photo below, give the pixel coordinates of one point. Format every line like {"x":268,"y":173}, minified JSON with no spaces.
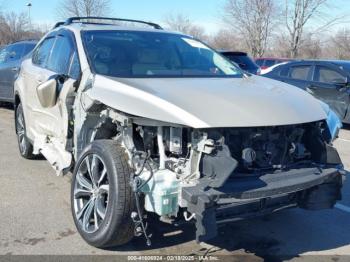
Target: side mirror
{"x":47,"y":93}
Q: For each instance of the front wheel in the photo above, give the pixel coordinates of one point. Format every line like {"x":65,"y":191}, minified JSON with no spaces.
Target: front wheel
{"x":101,"y":197}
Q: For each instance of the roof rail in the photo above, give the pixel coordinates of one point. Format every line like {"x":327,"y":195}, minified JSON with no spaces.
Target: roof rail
{"x":77,"y":19}
{"x":58,"y":25}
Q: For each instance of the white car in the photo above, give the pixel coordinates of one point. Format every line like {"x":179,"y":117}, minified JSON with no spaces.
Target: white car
{"x":151,"y":121}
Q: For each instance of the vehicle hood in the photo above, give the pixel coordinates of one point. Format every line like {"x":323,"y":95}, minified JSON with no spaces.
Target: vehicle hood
{"x":209,"y":102}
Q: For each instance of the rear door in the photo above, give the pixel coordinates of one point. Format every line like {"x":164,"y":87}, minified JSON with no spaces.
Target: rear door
{"x":298,"y":75}
{"x":330,"y":85}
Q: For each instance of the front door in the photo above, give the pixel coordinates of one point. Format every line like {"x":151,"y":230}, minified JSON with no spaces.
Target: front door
{"x":54,"y":58}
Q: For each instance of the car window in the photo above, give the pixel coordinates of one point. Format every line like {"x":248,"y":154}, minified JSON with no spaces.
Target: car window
{"x":259,"y":62}
{"x":284,"y":70}
{"x":4,"y":55}
{"x":269,"y":63}
{"x":300,"y":72}
{"x":16,"y":52}
{"x":42,"y":53}
{"x":327,"y":75}
{"x":74,"y":70}
{"x":59,"y":60}
{"x":28,"y":48}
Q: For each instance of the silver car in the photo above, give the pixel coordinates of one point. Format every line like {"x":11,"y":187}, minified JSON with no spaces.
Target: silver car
{"x":11,"y":57}
{"x":151,"y":121}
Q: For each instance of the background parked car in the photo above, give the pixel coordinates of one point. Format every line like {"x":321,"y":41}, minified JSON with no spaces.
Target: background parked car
{"x":243,"y":60}
{"x":11,"y":57}
{"x":265,"y":62}
{"x":326,"y":80}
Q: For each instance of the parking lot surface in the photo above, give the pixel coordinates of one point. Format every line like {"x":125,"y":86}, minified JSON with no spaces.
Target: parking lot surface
{"x":35,"y":218}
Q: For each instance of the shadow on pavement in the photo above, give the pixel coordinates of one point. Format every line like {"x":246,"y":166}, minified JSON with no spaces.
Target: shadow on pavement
{"x":276,"y":237}
{"x":6,"y":105}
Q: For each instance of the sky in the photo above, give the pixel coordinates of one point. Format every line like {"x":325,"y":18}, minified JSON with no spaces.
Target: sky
{"x":207,"y":13}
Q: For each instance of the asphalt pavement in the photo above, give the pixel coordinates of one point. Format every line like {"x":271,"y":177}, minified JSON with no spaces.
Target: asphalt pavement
{"x":35,"y":219}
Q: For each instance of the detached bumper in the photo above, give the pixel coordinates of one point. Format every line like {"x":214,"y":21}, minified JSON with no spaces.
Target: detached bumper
{"x":245,"y":197}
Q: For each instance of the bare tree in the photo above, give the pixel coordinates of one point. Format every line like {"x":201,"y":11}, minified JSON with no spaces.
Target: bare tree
{"x":13,"y":27}
{"x":183,"y":24}
{"x":311,"y":47}
{"x":297,"y":14}
{"x":340,"y":44}
{"x":226,"y":40}
{"x":68,"y":8}
{"x":253,"y":20}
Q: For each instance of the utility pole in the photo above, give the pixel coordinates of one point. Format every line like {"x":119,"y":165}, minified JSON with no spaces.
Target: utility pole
{"x":29,"y":5}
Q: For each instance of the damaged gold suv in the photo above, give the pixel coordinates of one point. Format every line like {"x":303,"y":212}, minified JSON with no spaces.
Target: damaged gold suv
{"x":151,"y":121}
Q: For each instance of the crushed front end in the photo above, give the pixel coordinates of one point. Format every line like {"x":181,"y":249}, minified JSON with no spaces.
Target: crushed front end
{"x":221,"y":175}
{"x":255,"y":171}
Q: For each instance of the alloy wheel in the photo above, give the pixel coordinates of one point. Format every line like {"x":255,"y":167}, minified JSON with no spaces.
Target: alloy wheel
{"x":91,"y":193}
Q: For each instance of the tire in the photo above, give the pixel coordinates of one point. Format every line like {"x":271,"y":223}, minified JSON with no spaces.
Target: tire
{"x":24,"y":145}
{"x":103,"y":217}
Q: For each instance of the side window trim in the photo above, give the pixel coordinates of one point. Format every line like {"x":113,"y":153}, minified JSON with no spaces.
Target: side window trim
{"x":57,"y":37}
{"x":71,"y":36}
{"x":38,"y":47}
{"x":49,"y":57}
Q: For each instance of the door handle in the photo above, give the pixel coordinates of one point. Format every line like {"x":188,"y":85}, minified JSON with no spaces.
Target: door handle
{"x":14,"y":69}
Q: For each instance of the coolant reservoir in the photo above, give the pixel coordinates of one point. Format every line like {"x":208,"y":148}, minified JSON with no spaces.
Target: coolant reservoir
{"x":161,"y":192}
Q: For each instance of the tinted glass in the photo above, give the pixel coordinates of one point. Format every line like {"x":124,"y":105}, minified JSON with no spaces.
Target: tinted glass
{"x":300,"y":72}
{"x":152,"y":54}
{"x":284,"y":71}
{"x":42,"y":53}
{"x":259,"y":62}
{"x":16,"y":52}
{"x":60,"y":57}
{"x":269,"y":63}
{"x":28,"y":48}
{"x":327,"y":75}
{"x":74,"y":70}
{"x":244,"y":62}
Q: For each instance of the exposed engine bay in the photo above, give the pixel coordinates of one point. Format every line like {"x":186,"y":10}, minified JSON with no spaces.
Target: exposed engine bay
{"x":175,"y":166}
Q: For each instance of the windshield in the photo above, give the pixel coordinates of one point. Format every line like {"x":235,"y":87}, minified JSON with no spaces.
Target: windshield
{"x":153,"y":54}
